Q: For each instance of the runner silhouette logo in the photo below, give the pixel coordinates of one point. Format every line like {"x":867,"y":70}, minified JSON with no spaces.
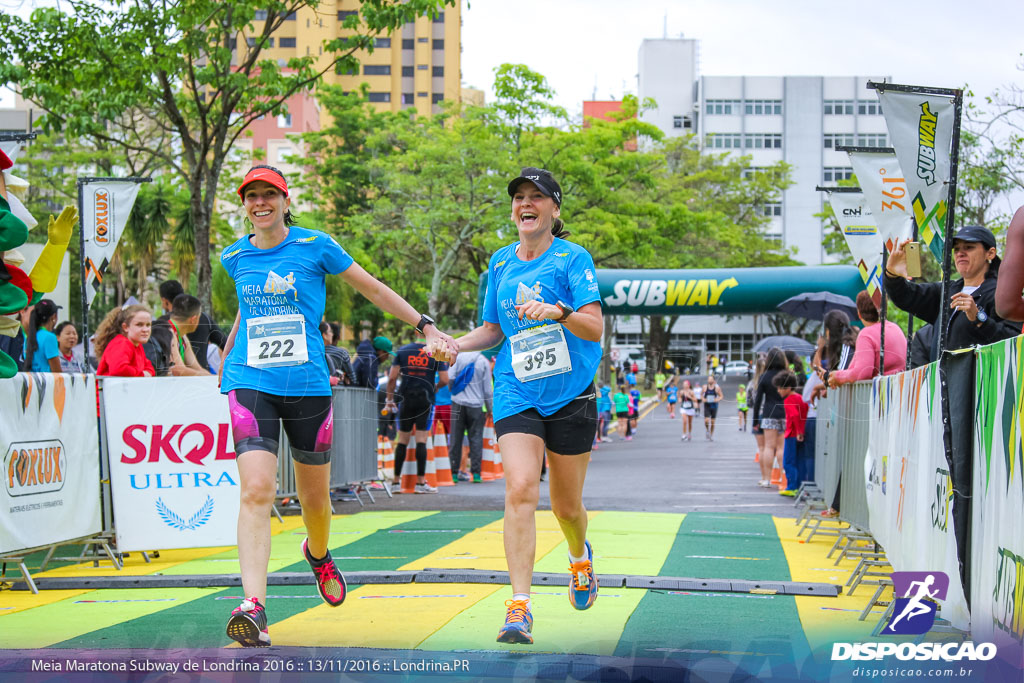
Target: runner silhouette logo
{"x":914,"y":613}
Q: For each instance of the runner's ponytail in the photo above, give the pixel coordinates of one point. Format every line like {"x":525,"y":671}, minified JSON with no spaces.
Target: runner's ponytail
{"x":558,"y":229}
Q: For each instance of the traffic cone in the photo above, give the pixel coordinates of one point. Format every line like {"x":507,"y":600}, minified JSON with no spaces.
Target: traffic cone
{"x":385,"y":458}
{"x":430,"y":474}
{"x":409,"y":466}
{"x":442,"y":464}
{"x":499,"y":471}
{"x":487,"y":468}
{"x":757,"y":456}
{"x":776,"y":476}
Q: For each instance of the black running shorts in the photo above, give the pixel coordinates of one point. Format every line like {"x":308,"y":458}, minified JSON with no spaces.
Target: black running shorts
{"x":568,"y":431}
{"x":256,"y":419}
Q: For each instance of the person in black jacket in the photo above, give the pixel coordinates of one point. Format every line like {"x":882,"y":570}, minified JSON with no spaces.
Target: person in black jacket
{"x":770,"y":414}
{"x":973,"y":319}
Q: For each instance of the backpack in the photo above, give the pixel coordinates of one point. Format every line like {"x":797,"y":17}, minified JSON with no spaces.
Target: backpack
{"x":462,"y":380}
{"x":158,"y":351}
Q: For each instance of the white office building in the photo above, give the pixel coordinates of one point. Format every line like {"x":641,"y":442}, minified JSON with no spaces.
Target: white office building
{"x":796,"y":119}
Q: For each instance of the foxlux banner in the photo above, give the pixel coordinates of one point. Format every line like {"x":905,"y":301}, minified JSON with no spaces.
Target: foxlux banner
{"x":173,"y":475}
{"x":885,"y":189}
{"x":861,"y":233}
{"x":51,"y":472}
{"x":997,"y":540}
{"x":909,"y":490}
{"x":921,"y":130}
{"x":105,"y":210}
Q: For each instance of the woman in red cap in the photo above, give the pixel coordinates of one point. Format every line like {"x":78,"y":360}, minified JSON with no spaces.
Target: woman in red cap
{"x":275,"y":371}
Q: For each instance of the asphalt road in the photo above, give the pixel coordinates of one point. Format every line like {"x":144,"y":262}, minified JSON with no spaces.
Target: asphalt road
{"x":655,"y":472}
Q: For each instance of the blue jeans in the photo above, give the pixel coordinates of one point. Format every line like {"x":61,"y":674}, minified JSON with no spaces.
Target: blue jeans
{"x":790,"y":448}
{"x":805,"y":453}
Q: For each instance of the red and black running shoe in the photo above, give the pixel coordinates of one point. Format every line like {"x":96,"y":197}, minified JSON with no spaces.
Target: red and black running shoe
{"x":329,"y":580}
{"x":248,"y":624}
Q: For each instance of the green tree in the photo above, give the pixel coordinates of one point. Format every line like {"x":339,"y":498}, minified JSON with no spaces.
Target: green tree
{"x":111,"y":70}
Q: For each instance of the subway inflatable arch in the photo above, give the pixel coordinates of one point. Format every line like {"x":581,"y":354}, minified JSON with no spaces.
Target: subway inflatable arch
{"x":721,"y":291}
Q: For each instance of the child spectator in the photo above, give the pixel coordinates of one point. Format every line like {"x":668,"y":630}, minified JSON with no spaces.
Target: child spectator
{"x":621,"y":400}
{"x":119,"y":341}
{"x":41,"y":352}
{"x":796,"y":418}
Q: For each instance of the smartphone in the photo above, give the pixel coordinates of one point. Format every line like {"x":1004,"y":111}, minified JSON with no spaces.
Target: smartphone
{"x":913,"y":251}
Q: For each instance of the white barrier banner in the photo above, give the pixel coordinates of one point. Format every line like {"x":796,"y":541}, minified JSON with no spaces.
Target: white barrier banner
{"x":885,"y":188}
{"x":921,"y":130}
{"x":172,"y":464}
{"x":997,"y":530}
{"x":909,"y":489}
{"x":861,"y":233}
{"x":51,"y":465}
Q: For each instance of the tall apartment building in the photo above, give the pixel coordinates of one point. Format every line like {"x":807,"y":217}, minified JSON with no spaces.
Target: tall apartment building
{"x":796,"y":119}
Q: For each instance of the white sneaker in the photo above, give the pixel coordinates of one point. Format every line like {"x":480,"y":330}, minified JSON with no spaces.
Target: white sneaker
{"x":396,"y":488}
{"x":425,"y":488}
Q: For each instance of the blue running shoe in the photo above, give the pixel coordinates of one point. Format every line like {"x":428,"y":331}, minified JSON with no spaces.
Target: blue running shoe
{"x":582,"y":582}
{"x":518,"y":623}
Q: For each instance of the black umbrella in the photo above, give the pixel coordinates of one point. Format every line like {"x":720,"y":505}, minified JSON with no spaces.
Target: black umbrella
{"x":785,"y":342}
{"x":814,"y":305}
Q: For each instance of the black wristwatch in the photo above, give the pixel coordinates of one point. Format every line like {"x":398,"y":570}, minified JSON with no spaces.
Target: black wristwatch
{"x":566,"y":309}
{"x":424,"y":321}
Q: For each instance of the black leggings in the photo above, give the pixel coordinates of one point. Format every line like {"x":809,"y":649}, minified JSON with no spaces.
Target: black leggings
{"x":421,"y":458}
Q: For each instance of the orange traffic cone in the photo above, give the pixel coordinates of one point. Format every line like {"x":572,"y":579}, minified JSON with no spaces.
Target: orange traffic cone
{"x":487,"y":469}
{"x":757,"y":456}
{"x":430,"y":474}
{"x":442,"y":464}
{"x":385,"y":458}
{"x":409,"y":466}
{"x":776,"y":476}
{"x":499,"y":471}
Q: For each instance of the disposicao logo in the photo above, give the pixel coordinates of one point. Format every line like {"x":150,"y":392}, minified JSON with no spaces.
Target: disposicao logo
{"x":914,"y":614}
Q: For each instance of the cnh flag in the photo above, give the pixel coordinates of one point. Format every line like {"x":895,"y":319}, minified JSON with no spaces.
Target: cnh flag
{"x":861,"y":233}
{"x":885,"y":189}
{"x":106,"y":206}
{"x":921,"y":129}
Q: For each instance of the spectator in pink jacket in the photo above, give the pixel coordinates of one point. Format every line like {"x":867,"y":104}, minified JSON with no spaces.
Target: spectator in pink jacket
{"x":865,"y":355}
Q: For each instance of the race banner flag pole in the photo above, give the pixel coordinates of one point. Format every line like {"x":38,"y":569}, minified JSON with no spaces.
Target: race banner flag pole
{"x":861,"y":233}
{"x":103,"y":216}
{"x":924,"y":126}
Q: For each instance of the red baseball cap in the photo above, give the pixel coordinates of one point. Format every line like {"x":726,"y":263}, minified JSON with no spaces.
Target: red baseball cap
{"x":5,"y":161}
{"x":266,"y":175}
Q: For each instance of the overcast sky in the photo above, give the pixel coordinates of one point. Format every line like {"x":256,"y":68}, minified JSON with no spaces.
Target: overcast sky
{"x":581,"y":45}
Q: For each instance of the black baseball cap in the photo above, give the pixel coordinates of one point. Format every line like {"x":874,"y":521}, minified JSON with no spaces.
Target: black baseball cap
{"x":975,"y":233}
{"x":543,"y":179}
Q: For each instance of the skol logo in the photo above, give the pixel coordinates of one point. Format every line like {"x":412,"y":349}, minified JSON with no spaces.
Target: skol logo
{"x":173,"y":442}
{"x":1008,"y":596}
{"x":669,"y":292}
{"x":101,"y":204}
{"x":926,"y":144}
{"x":32,"y":467}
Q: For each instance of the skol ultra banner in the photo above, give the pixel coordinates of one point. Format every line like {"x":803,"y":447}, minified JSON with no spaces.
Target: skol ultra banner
{"x":885,"y":189}
{"x":173,"y":475}
{"x":106,"y":207}
{"x":997,"y":530}
{"x":909,"y":490}
{"x":51,"y":466}
{"x":858,"y":225}
{"x":921,"y":130}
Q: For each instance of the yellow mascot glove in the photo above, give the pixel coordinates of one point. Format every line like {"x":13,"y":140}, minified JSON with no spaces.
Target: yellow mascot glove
{"x":58,"y":235}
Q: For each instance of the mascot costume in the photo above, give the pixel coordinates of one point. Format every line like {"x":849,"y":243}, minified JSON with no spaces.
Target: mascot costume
{"x":18,"y":290}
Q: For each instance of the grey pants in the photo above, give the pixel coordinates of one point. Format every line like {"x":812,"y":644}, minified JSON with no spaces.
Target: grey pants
{"x":471,"y":421}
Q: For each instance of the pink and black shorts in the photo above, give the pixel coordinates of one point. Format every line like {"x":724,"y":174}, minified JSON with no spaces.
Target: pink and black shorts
{"x":257,"y":417}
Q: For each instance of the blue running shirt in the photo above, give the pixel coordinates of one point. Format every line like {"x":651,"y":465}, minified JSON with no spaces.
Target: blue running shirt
{"x":286,"y":280}
{"x":565,"y":272}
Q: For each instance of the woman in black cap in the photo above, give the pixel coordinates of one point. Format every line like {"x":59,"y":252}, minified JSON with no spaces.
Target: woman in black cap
{"x":542,"y":296}
{"x":974,"y":319}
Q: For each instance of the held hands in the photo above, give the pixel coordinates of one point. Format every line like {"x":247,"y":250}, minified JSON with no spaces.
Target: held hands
{"x":538,"y":310}
{"x":440,"y":346}
{"x":966,"y":303}
{"x":897,"y":263}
